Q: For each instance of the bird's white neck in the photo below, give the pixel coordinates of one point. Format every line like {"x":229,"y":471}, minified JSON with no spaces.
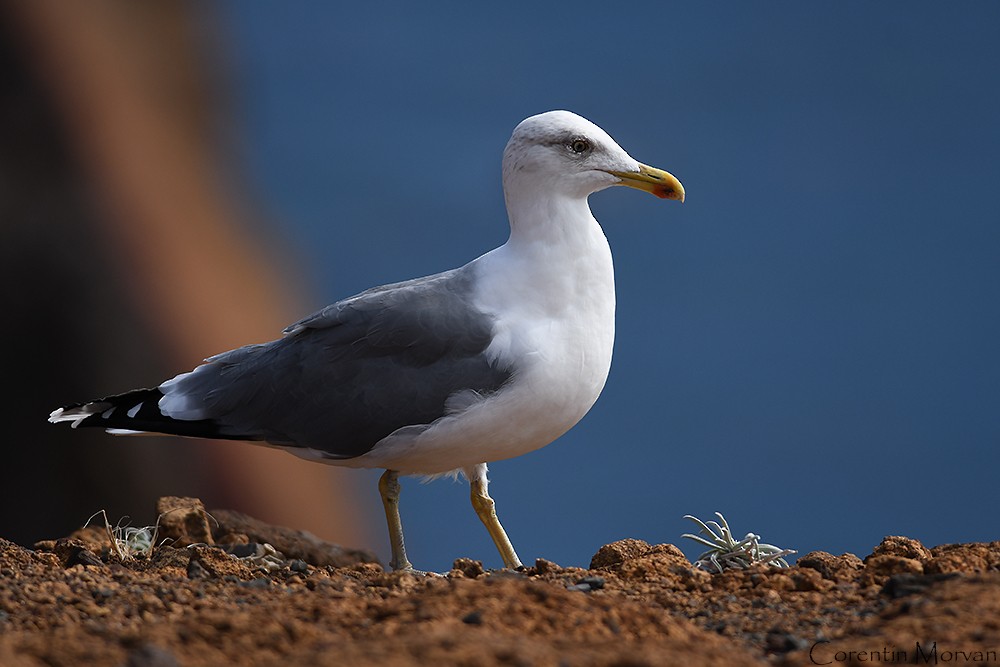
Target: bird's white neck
{"x":557,"y":222}
{"x":556,"y":259}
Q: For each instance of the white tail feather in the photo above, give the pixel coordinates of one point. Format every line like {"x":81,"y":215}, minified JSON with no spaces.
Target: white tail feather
{"x":77,"y":414}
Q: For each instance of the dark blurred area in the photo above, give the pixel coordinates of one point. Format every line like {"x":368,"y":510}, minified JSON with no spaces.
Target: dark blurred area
{"x":129,"y":253}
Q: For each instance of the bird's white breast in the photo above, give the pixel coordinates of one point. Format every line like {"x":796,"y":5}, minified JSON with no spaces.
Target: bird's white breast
{"x":554,"y":308}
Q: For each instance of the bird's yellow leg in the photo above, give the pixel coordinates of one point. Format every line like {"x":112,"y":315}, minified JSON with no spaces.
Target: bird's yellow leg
{"x":486,"y":509}
{"x":388,"y":488}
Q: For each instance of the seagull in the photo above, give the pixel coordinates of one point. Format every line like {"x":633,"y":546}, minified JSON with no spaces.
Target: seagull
{"x":437,"y":375}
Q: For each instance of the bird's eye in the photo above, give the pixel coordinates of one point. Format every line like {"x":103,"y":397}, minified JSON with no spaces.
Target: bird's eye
{"x":580,"y":146}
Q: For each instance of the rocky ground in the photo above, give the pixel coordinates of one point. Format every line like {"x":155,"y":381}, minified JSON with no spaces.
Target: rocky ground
{"x":220,"y":595}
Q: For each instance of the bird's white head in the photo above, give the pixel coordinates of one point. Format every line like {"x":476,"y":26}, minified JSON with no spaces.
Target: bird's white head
{"x":565,"y":154}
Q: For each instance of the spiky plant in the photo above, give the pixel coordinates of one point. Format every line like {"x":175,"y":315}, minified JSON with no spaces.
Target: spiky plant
{"x":126,"y":541}
{"x":725,"y":552}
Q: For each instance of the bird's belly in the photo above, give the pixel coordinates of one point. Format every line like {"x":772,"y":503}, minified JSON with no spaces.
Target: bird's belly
{"x":558,"y":379}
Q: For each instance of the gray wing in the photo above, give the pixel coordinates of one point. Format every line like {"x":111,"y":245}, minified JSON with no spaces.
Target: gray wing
{"x":352,"y":373}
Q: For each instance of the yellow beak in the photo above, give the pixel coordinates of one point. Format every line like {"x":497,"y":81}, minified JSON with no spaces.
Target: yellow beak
{"x":656,"y":181}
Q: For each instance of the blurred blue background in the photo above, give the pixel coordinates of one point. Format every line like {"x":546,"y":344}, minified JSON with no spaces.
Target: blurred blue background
{"x":808,"y":345}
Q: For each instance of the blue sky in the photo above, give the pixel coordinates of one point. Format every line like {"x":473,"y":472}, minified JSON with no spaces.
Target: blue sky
{"x":809,"y":344}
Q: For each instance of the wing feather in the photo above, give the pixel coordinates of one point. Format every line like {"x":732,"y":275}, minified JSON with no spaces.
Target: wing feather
{"x":352,"y":373}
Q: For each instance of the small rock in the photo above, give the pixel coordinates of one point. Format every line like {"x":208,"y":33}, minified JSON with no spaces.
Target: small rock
{"x":587,"y":584}
{"x":218,"y":563}
{"x":669,"y":550}
{"x":148,"y":655}
{"x":102,"y":593}
{"x":666,"y":562}
{"x":775,"y":580}
{"x":91,"y":538}
{"x":468,"y":567}
{"x":771,"y":597}
{"x":691,"y":578}
{"x":543,"y":566}
{"x":233,"y":538}
{"x":784,"y":642}
{"x":258,"y":583}
{"x":473,"y":618}
{"x":263,"y":556}
{"x":902,"y":585}
{"x":973,"y":557}
{"x":94,"y":538}
{"x":44,"y":545}
{"x":195,"y":570}
{"x":809,"y":580}
{"x":619,"y":552}
{"x":298,"y":565}
{"x":879,"y":568}
{"x":73,"y":552}
{"x":844,"y":567}
{"x":954,"y":563}
{"x":169,"y":557}
{"x":184,"y":521}
{"x":244,"y":550}
{"x":904,"y":547}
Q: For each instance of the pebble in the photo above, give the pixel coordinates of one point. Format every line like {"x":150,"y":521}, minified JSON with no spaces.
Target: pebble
{"x":195,"y":570}
{"x":587,"y":584}
{"x":258,"y":583}
{"x":473,"y":618}
{"x":149,"y":655}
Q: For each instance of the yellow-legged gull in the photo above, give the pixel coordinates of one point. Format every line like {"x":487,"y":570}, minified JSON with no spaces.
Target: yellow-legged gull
{"x":443,"y":373}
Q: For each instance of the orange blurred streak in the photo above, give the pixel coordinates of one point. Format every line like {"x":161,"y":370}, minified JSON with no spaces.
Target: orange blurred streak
{"x":127,"y":77}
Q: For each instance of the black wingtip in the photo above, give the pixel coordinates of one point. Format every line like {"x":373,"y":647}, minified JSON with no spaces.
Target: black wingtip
{"x":136,"y":411}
